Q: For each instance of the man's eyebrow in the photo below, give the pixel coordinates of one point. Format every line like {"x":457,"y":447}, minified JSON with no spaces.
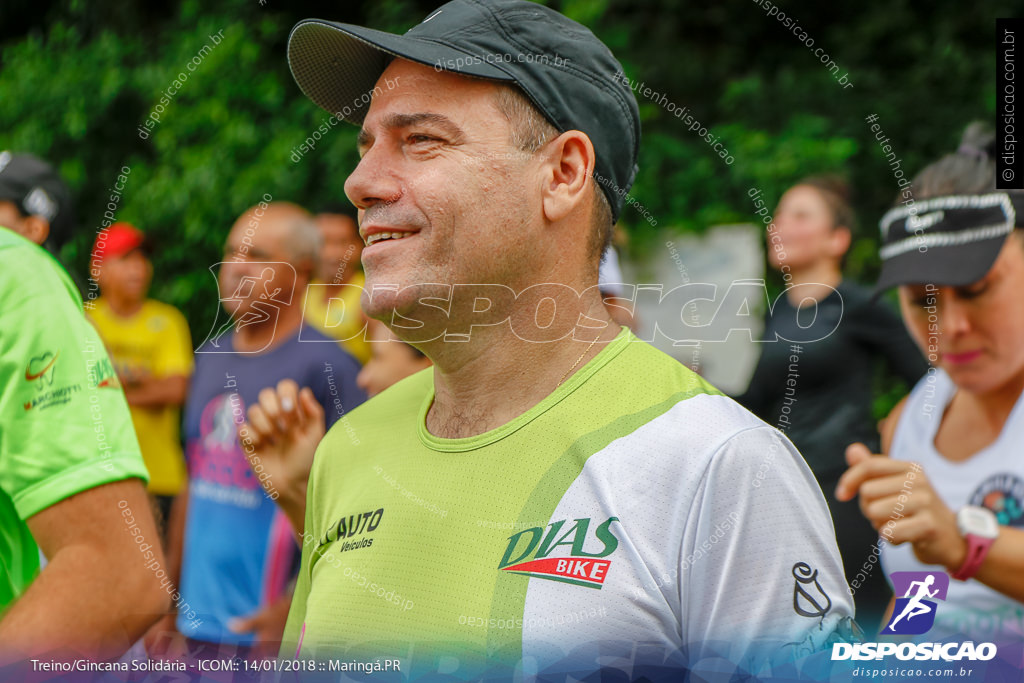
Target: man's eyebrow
{"x":397,"y":121}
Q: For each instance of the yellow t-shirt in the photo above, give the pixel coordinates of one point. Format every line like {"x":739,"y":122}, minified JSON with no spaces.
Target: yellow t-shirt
{"x":340,"y":316}
{"x":155,"y":341}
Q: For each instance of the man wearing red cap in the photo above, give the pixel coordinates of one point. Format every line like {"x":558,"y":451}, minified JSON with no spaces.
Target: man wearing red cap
{"x":150,"y":346}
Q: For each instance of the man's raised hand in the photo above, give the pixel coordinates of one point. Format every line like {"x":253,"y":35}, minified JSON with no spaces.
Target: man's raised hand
{"x":279,"y":440}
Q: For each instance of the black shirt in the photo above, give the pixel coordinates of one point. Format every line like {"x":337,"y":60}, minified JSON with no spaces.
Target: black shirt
{"x":822,"y":401}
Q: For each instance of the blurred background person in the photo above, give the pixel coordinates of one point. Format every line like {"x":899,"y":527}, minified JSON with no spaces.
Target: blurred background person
{"x":72,"y":480}
{"x":150,"y":345}
{"x":830,"y":405}
{"x":611,"y":284}
{"x":239,"y":552}
{"x":332,"y":302}
{"x":35,"y":202}
{"x":950,"y":495}
{"x":391,"y":360}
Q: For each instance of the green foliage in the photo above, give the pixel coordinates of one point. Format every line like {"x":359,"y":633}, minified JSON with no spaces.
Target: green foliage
{"x":80,"y":78}
{"x":223,"y":139}
{"x":925,"y":69}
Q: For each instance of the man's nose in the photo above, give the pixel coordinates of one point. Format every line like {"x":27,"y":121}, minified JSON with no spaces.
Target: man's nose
{"x":375,"y":179}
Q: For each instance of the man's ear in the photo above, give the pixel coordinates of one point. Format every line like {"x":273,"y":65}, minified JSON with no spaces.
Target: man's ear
{"x":34,"y":228}
{"x":568,"y":166}
{"x":841,"y":239}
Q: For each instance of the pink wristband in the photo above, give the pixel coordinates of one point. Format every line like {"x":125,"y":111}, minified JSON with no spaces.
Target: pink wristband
{"x":977,"y":549}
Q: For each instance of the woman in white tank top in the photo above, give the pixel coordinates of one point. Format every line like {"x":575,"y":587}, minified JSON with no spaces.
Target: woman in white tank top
{"x":949,"y":498}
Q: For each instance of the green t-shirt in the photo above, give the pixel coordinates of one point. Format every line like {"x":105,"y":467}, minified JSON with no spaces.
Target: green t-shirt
{"x":633,"y":505}
{"x":64,"y":422}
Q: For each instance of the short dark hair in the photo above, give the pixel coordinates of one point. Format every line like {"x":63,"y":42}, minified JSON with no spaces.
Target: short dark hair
{"x":530,"y":132}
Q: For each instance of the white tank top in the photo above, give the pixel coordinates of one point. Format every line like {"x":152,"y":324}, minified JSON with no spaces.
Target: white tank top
{"x":993,"y":478}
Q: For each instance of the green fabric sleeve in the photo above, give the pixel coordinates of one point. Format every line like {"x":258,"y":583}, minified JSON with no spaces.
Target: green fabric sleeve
{"x":65,"y":422}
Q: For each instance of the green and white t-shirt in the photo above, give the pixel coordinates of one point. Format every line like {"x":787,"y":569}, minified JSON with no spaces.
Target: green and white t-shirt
{"x":64,"y":422}
{"x":635,"y":511}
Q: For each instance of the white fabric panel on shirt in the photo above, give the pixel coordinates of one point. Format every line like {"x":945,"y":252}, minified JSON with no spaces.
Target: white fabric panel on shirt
{"x":707,"y":548}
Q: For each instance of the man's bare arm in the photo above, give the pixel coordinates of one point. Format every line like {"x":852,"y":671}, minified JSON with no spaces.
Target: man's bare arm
{"x":161,"y":636}
{"x":154,"y":392}
{"x":96,"y":595}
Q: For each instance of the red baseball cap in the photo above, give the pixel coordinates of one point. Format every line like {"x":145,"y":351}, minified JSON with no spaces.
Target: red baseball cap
{"x":117,"y":240}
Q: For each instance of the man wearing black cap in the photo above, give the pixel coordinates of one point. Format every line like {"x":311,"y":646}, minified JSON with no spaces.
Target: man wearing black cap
{"x":34,"y":201}
{"x":553,"y":490}
{"x":71,"y":475}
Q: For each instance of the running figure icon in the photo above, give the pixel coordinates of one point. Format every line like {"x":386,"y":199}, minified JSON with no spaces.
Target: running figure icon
{"x":915,"y":606}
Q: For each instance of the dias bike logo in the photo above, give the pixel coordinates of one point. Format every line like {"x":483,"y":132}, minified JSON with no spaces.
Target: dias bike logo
{"x":914,"y":614}
{"x":528,"y":553}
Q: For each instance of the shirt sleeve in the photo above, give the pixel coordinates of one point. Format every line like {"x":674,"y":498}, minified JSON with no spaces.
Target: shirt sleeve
{"x":64,"y":422}
{"x":761,"y":547}
{"x":176,"y":350}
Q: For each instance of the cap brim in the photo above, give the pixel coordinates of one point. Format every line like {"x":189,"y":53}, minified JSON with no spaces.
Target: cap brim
{"x":338,"y":65}
{"x":942,"y":266}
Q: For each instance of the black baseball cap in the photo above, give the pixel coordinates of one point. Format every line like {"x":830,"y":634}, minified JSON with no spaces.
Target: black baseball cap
{"x":37,"y":189}
{"x":570,"y":75}
{"x":950,"y":241}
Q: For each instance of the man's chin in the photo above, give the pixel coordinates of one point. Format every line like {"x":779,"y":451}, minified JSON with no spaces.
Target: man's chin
{"x":387,"y":305}
{"x":421,"y":307}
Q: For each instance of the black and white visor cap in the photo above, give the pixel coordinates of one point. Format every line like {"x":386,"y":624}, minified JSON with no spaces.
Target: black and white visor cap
{"x":946,"y":241}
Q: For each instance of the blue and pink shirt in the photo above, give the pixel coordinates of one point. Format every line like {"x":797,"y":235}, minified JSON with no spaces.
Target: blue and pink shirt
{"x":239,"y":549}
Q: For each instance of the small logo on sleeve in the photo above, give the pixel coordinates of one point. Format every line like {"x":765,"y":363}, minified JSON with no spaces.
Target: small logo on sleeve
{"x":39,"y":368}
{"x":102,"y":374}
{"x":809,"y":598}
{"x":40,"y":373}
{"x":529,"y":553}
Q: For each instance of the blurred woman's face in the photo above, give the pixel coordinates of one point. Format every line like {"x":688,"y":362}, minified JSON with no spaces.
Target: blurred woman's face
{"x":805,"y":231}
{"x":976,"y":332}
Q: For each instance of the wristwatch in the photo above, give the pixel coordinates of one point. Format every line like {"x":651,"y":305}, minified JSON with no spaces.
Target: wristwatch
{"x":979,"y":528}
